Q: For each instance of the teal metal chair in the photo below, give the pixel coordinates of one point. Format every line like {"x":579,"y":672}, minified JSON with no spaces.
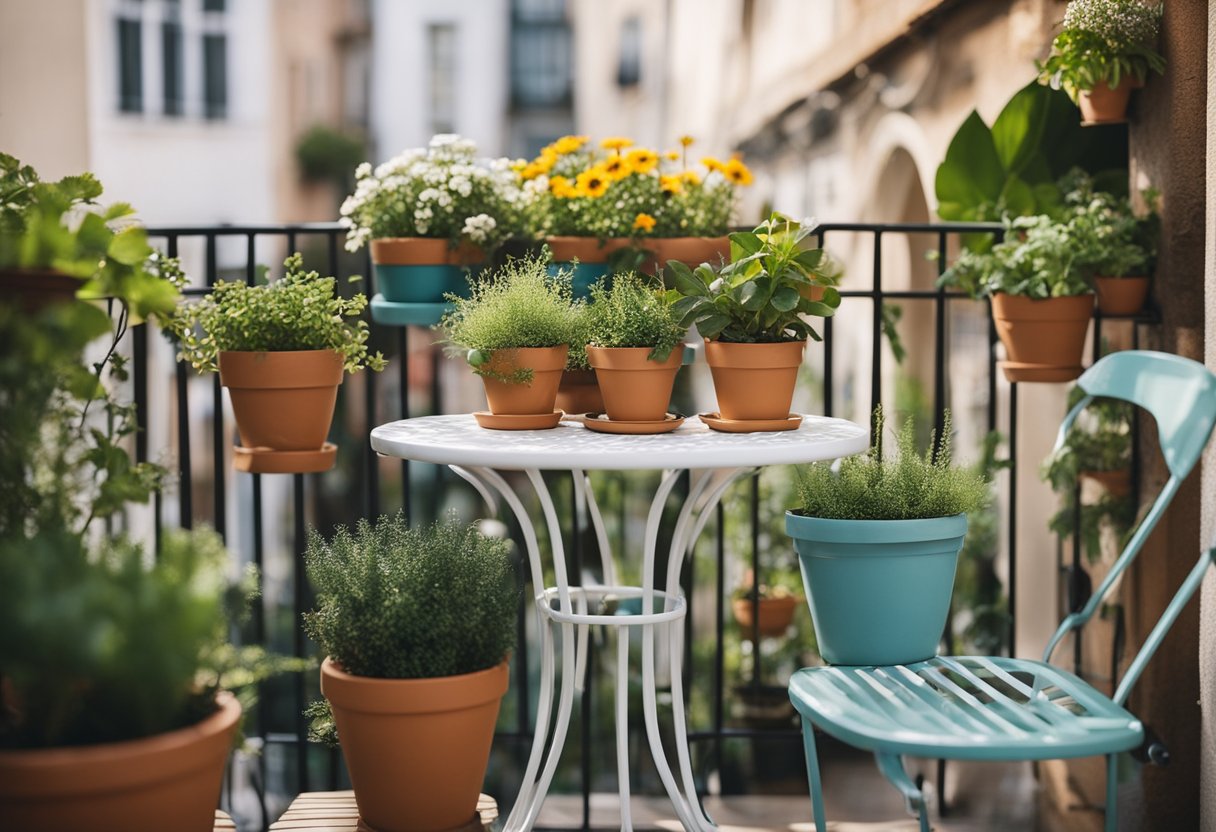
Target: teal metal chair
{"x":995,"y":708}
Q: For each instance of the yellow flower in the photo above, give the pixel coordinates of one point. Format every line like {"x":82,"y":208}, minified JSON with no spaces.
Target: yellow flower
{"x":737,"y":172}
{"x":616,"y":143}
{"x":518,"y":165}
{"x":642,"y":160}
{"x":531,"y":170}
{"x":671,"y":184}
{"x":592,"y":182}
{"x":644,"y":223}
{"x":617,"y":167}
{"x":713,"y":163}
{"x":685,"y":141}
{"x":691,"y":177}
{"x":561,"y":188}
{"x":568,"y":144}
{"x":672,"y":155}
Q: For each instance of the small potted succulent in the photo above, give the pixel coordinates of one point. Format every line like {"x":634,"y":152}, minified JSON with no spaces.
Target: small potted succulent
{"x":417,"y":624}
{"x":431,"y":214}
{"x":765,"y":609}
{"x":878,"y":542}
{"x":1118,"y":247}
{"x":635,"y":345}
{"x":281,"y":349}
{"x":515,"y":329}
{"x":1106,"y":48}
{"x":750,"y":313}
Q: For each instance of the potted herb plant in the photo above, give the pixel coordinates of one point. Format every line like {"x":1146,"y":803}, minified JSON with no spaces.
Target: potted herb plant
{"x":431,"y":214}
{"x":750,"y":313}
{"x":414,"y":672}
{"x":635,"y":345}
{"x":1118,"y":247}
{"x":281,"y":349}
{"x":878,"y":542}
{"x":765,"y":609}
{"x":1042,"y":301}
{"x":1106,"y":48}
{"x":516,"y":328}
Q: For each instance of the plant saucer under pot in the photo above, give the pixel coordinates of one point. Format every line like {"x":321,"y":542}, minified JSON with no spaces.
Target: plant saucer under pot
{"x":521,"y":387}
{"x":755,"y":382}
{"x":636,"y":388}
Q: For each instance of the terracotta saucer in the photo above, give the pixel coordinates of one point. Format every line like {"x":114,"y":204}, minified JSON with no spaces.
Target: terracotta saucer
{"x":600,"y":423}
{"x":1044,"y":373}
{"x":716,"y":422}
{"x":527,"y":421}
{"x":266,"y":461}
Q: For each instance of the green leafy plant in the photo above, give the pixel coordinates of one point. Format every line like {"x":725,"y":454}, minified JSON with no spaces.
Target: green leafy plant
{"x":324,"y":154}
{"x":1037,"y":259}
{"x":300,"y":311}
{"x":762,"y":295}
{"x":395,"y":602}
{"x":906,"y":486}
{"x":1103,"y":41}
{"x":519,"y":305}
{"x":1109,"y":238}
{"x":629,"y":313}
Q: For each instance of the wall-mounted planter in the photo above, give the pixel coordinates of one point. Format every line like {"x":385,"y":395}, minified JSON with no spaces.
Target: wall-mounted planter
{"x":423,"y":269}
{"x":36,"y":289}
{"x":754,"y":382}
{"x":1103,"y":105}
{"x":592,"y":255}
{"x":526,"y":405}
{"x":1121,"y":295}
{"x":1044,"y":339}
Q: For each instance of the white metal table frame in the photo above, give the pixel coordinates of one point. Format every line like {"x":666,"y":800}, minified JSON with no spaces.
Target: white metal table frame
{"x":714,"y":460}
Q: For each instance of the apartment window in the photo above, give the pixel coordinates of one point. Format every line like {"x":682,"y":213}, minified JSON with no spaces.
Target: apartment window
{"x":130,"y":66}
{"x":172,"y":66}
{"x":540,"y":54}
{"x":213,"y":5}
{"x":215,"y":75}
{"x":441,"y":56}
{"x":629,"y":56}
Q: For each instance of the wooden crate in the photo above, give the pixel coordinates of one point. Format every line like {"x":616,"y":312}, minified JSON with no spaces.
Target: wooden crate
{"x":336,"y":812}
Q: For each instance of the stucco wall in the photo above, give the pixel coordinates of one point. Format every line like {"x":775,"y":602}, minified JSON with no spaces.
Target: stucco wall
{"x":1207,"y":606}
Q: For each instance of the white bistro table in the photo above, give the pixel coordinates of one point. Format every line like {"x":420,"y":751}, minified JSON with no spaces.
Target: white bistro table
{"x":715,"y":460}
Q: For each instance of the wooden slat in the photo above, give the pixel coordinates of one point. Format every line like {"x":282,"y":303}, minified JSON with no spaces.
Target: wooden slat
{"x":223,"y":823}
{"x":337,"y":812}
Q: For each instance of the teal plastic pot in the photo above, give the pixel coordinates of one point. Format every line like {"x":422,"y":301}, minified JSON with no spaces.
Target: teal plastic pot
{"x":583,"y":276}
{"x":879,"y":590}
{"x":421,"y":284}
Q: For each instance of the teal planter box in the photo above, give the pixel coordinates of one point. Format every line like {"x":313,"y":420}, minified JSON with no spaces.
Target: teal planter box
{"x":879,"y":590}
{"x":583,"y":276}
{"x":421,"y":284}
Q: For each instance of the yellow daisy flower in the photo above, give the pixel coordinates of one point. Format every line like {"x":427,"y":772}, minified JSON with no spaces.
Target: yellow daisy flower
{"x":617,"y":167}
{"x":713,"y":163}
{"x":531,"y":170}
{"x":671,"y":184}
{"x":593,"y":182}
{"x":691,"y":177}
{"x":643,"y":160}
{"x":616,"y":143}
{"x":672,"y":155}
{"x":644,"y":223}
{"x":737,"y":172}
{"x":568,"y":144}
{"x":685,"y":141}
{"x":561,"y":188}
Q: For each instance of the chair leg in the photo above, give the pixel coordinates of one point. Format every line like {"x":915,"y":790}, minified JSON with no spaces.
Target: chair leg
{"x":812,"y":774}
{"x":1112,"y":787}
{"x":892,"y":768}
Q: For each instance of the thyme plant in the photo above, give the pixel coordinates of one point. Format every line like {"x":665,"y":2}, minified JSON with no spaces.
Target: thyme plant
{"x":629,"y":313}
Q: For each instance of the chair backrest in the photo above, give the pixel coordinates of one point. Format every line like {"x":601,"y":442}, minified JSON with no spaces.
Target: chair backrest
{"x":1181,"y":396}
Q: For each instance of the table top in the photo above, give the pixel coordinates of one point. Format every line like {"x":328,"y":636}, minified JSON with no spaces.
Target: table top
{"x":458,"y":440}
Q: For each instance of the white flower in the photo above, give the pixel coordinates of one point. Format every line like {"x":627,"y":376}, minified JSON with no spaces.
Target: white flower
{"x":716,"y":286}
{"x":363,"y":170}
{"x":479,"y":228}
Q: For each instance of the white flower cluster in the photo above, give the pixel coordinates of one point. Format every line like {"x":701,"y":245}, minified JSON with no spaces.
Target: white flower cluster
{"x":1119,"y":22}
{"x":479,"y":228}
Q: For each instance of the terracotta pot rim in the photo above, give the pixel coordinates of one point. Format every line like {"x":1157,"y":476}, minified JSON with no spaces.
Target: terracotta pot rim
{"x":285,"y":369}
{"x":424,"y":251}
{"x":538,"y":359}
{"x":632,"y":359}
{"x":777,"y":354}
{"x":1019,"y":307}
{"x":789,"y":600}
{"x":436,"y":694}
{"x":585,"y":249}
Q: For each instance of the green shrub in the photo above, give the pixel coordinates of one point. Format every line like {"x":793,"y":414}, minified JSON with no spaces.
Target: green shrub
{"x":1109,"y":239}
{"x":301,"y":311}
{"x":412,"y":603}
{"x":1037,"y":259}
{"x":328,"y":155}
{"x":631,"y":314}
{"x":906,"y":486}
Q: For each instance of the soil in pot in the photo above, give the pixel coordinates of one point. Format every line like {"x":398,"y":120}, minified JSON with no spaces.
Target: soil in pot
{"x":1103,"y":105}
{"x":416,"y":749}
{"x":165,"y":782}
{"x":423,"y":269}
{"x":1121,"y":295}
{"x":539,"y":395}
{"x":776,"y":615}
{"x":754,"y":382}
{"x":635,"y":389}
{"x":1044,"y":334}
{"x":283,"y":401}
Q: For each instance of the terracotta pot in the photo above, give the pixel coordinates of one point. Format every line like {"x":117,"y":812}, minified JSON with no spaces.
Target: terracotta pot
{"x":165,"y":782}
{"x":635,"y":388}
{"x":283,"y":401}
{"x":813,"y":293}
{"x":537,"y":396}
{"x":776,"y":615}
{"x":754,"y":381}
{"x":1103,"y":105}
{"x":1118,"y":483}
{"x":584,"y":249}
{"x":1121,"y":295}
{"x":579,"y":392}
{"x":416,"y":749}
{"x":36,"y":289}
{"x":422,"y":269}
{"x":691,"y":251}
{"x":1045,"y":334}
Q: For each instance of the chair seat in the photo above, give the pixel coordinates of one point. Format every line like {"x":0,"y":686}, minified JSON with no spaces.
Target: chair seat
{"x":965,"y":707}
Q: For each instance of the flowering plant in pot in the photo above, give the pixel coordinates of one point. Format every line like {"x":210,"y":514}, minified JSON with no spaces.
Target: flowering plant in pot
{"x":1106,"y":48}
{"x":281,"y":349}
{"x":431,"y":213}
{"x":878,"y":542}
{"x":515,"y":329}
{"x":1116,"y":246}
{"x":751,"y":314}
{"x":417,"y":624}
{"x":635,"y":345}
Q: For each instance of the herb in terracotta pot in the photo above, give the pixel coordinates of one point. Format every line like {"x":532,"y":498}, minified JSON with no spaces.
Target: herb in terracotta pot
{"x":751,"y":314}
{"x":1116,"y":246}
{"x":516,"y":328}
{"x":432,"y":213}
{"x":878,"y":540}
{"x":417,"y":624}
{"x":635,"y":344}
{"x":765,"y":610}
{"x":281,"y":349}
{"x":1106,"y":48}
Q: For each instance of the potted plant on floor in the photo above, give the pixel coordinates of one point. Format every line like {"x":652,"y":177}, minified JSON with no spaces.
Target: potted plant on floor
{"x":1118,"y":247}
{"x":765,"y":609}
{"x":416,"y":624}
{"x":515,"y":330}
{"x":878,"y":542}
{"x":281,"y":349}
{"x":750,"y":313}
{"x":635,"y":344}
{"x":1106,"y":48}
{"x":431,"y":214}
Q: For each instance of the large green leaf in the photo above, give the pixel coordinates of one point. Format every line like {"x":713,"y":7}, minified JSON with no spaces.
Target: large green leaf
{"x":1017,"y":133}
{"x":972,"y":172}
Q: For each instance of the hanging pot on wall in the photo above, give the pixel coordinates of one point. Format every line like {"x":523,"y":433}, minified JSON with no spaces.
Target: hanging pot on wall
{"x":1104,"y":105}
{"x":1121,"y":295}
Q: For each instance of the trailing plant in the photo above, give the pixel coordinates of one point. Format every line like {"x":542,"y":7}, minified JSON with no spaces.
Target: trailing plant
{"x":442,"y":190}
{"x":300,"y":311}
{"x":762,"y":295}
{"x":519,"y":305}
{"x":1036,"y":259}
{"x":629,"y":313}
{"x":905,"y":486}
{"x":1103,"y":41}
{"x":396,"y":602}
